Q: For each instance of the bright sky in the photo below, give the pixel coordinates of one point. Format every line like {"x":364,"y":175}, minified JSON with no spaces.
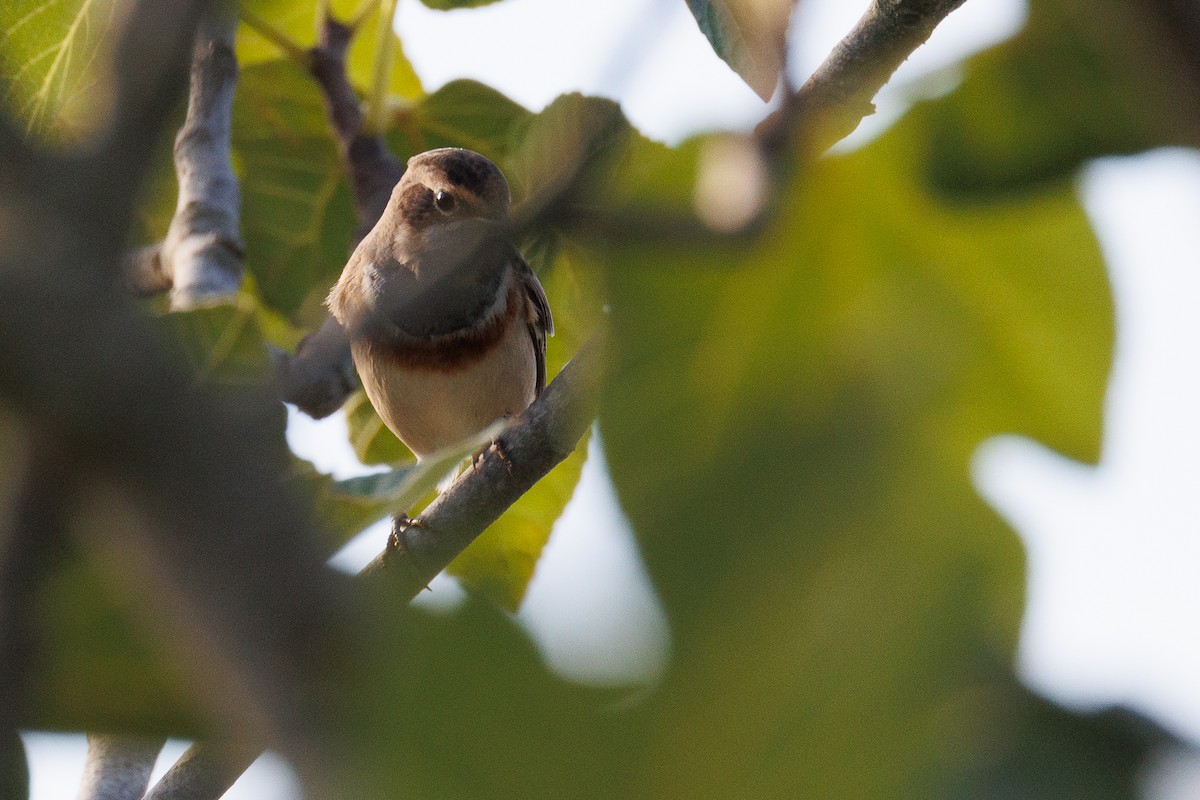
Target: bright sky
{"x":1113,"y":596}
{"x":1113,"y":582}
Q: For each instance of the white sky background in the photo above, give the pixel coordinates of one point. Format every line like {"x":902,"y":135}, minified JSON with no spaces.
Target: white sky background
{"x":1114,"y":550}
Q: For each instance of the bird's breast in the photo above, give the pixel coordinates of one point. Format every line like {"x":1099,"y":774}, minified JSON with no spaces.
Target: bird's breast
{"x":451,"y":351}
{"x":435,"y":392}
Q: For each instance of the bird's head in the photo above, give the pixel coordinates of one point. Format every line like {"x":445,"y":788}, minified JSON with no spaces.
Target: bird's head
{"x":447,"y":185}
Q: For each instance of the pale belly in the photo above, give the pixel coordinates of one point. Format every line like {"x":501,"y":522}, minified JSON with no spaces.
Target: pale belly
{"x":432,"y":409}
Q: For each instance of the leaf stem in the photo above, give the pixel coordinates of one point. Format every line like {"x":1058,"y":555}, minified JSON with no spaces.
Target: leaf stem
{"x":286,"y":44}
{"x":366,"y":9}
{"x":376,"y":117}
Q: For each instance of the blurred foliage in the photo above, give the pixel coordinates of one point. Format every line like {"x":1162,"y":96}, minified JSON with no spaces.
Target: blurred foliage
{"x":814,"y":404}
{"x":1083,"y":79}
{"x":102,"y":668}
{"x":788,"y":421}
{"x":1035,"y":750}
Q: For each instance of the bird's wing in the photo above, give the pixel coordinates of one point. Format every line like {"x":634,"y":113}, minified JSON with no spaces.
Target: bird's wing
{"x":537,"y":317}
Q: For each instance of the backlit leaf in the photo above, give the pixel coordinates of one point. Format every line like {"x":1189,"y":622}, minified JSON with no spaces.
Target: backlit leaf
{"x":749,"y":35}
{"x":53,"y":56}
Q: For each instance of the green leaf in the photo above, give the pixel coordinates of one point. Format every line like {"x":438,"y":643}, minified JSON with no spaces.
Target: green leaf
{"x":1083,"y":79}
{"x":790,"y":429}
{"x":749,"y":35}
{"x":53,"y":54}
{"x":575,"y":138}
{"x":500,"y":563}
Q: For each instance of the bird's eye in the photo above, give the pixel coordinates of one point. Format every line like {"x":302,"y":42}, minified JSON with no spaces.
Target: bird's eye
{"x":444,"y":202}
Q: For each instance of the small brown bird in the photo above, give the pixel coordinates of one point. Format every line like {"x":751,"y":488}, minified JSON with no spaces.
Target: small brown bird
{"x":447,"y":322}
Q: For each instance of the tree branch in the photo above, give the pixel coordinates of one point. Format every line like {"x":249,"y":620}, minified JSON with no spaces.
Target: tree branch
{"x":117,"y":767}
{"x":201,"y":258}
{"x":539,"y":440}
{"x":320,"y":375}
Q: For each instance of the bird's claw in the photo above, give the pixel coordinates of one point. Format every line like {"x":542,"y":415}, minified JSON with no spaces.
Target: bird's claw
{"x":497,"y":448}
{"x":397,"y":539}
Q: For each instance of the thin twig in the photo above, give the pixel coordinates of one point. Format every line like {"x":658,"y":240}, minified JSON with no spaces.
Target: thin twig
{"x":372,"y":168}
{"x":366,"y":9}
{"x":836,"y":98}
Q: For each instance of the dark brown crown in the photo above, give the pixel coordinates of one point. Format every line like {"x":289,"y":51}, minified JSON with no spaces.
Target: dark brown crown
{"x":465,"y":171}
